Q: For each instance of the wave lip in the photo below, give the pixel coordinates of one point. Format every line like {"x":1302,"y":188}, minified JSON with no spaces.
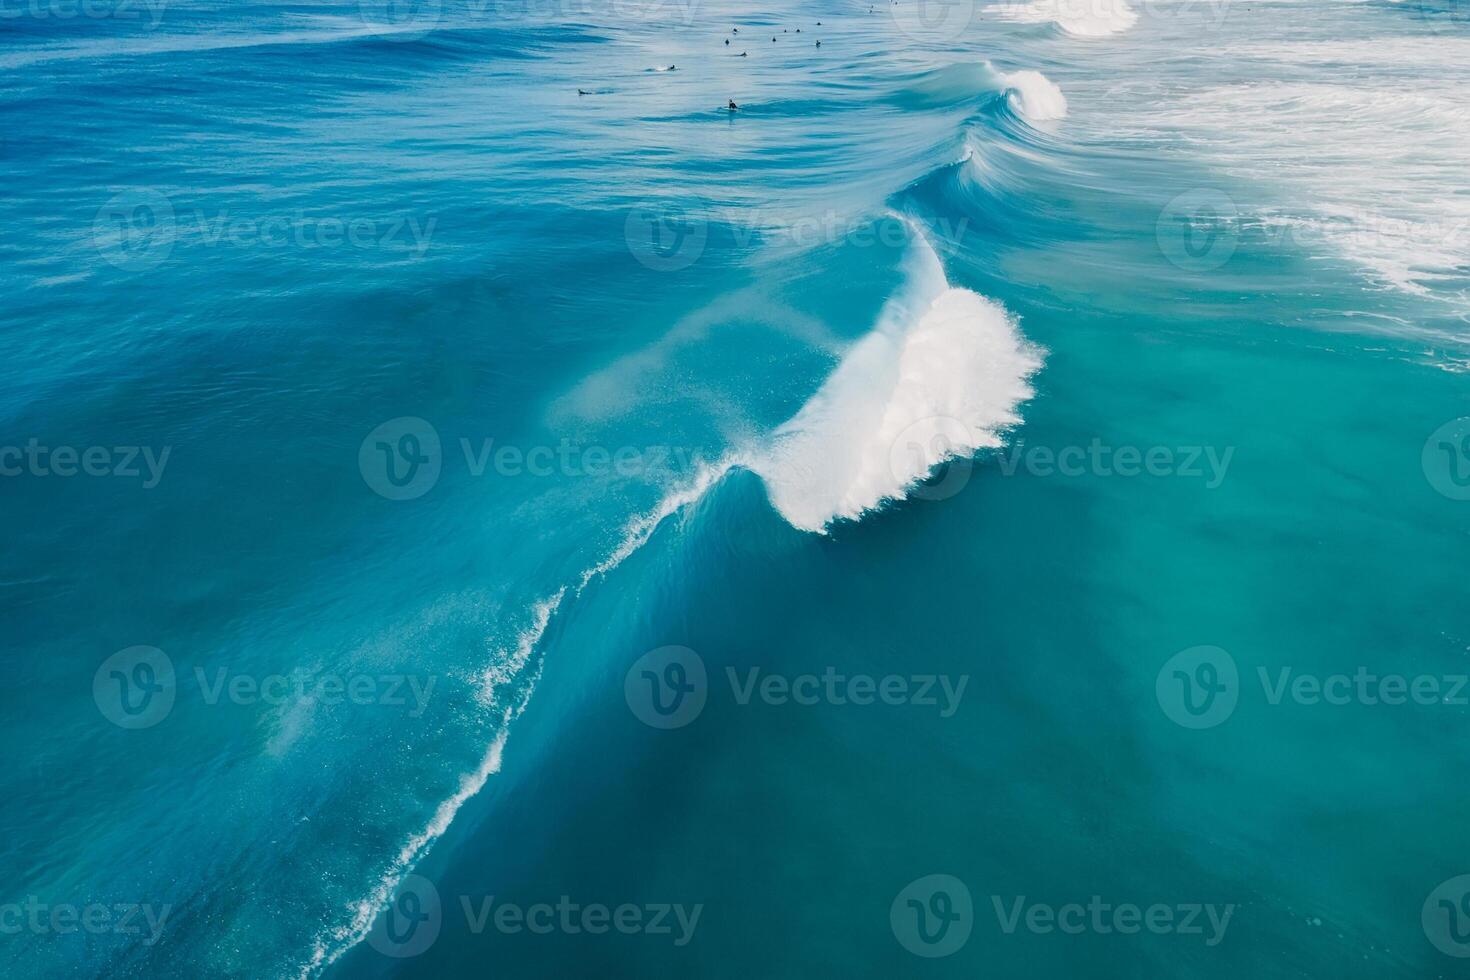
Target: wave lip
{"x":940,"y":377}
{"x":1033,"y":95}
{"x":1079,"y":18}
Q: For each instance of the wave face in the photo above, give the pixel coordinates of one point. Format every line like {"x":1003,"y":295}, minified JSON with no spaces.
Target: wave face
{"x":941,"y":375}
{"x":257,"y":232}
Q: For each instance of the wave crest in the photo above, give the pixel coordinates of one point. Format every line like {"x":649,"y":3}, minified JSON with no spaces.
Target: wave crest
{"x":941,"y":376}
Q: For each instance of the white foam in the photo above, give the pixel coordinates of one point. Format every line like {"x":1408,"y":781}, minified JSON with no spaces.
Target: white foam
{"x":1080,"y":18}
{"x":940,"y":376}
{"x":333,"y":944}
{"x":1371,"y":164}
{"x":641,"y":528}
{"x":1033,"y":95}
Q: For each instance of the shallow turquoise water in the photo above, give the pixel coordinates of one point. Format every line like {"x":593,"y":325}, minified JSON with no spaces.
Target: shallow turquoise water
{"x":274,"y":241}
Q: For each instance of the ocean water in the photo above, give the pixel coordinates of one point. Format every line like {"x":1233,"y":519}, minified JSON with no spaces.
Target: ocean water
{"x":1013,"y":471}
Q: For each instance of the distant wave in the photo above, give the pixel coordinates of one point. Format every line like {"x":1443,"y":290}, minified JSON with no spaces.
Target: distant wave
{"x":939,"y":377}
{"x":1030,"y":94}
{"x":1080,"y":18}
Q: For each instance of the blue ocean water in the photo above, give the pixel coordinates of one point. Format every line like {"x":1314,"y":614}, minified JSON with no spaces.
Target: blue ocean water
{"x":408,"y":460}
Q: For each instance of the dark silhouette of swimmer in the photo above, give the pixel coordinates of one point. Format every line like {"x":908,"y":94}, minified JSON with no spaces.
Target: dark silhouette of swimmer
{"x":819,"y":44}
{"x":732,"y":106}
{"x":580,"y":92}
{"x":727,"y":42}
{"x":741,"y":55}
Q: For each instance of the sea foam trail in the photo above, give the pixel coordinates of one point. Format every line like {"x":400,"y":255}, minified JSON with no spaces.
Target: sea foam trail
{"x":940,"y":376}
{"x":1080,"y":18}
{"x":329,"y":947}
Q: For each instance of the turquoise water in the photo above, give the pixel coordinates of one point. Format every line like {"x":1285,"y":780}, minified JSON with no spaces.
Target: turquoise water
{"x":448,"y":448}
